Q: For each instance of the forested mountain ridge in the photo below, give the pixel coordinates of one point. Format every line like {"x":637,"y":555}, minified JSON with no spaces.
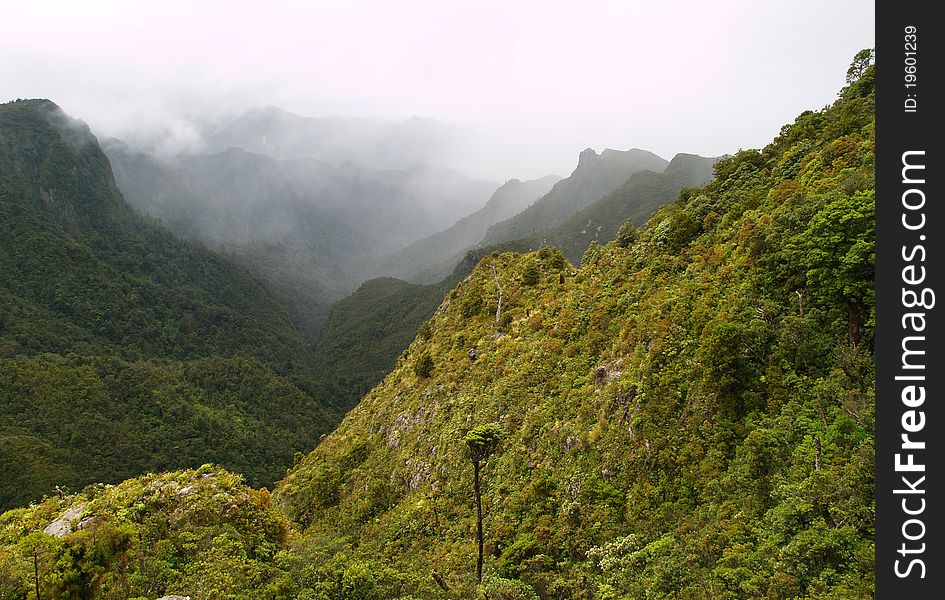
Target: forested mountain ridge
{"x":635,"y":200}
{"x":123,"y":348}
{"x":594,"y":176}
{"x":688,"y":414}
{"x":366,"y":331}
{"x":82,"y":271}
{"x":306,"y":228}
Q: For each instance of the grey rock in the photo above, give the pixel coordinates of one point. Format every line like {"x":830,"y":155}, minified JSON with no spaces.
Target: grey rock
{"x":63,"y":525}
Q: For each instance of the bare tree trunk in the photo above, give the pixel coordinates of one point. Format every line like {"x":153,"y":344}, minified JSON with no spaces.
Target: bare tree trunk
{"x":822,"y":508}
{"x":478,"y":520}
{"x":498,"y":312}
{"x":855,"y":318}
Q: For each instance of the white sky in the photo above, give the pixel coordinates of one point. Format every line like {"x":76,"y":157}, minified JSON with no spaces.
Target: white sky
{"x":536,"y":81}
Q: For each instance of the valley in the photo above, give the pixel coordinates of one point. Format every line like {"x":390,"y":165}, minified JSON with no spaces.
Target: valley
{"x":261,"y":369}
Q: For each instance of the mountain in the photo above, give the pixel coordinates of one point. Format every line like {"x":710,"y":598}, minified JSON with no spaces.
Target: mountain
{"x":371,"y":143}
{"x":688,"y":414}
{"x":311,"y":231}
{"x":634,"y":201}
{"x":366,"y":331}
{"x":120,"y":343}
{"x":594,"y":176}
{"x":690,"y":410}
{"x":432,"y":258}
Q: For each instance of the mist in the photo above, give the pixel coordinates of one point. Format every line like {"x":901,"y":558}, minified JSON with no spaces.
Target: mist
{"x":524,"y":86}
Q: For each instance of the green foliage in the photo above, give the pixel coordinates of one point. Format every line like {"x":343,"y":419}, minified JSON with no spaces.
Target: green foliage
{"x":863,"y":60}
{"x":837,"y":250}
{"x":627,"y":234}
{"x":200,"y":533}
{"x":471,"y":305}
{"x":122,"y":348}
{"x":682,"y":417}
{"x":424,"y":365}
{"x":70,"y":421}
{"x":530,"y":274}
{"x":482,"y":441}
{"x":551,"y":258}
{"x":498,"y":588}
{"x":367,"y":331}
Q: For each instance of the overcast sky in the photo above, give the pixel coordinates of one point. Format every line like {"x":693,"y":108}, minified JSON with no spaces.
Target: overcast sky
{"x":536,"y":81}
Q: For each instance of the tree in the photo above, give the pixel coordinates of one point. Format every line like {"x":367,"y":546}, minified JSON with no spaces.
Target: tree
{"x":424,"y":366}
{"x":627,"y":234}
{"x":861,"y":62}
{"x":482,"y":442}
{"x":838,"y":252}
{"x":530,"y":274}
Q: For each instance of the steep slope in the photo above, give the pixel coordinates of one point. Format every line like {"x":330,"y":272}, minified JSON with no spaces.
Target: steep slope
{"x":305,"y":227}
{"x":82,"y":272}
{"x":431,"y":259}
{"x":689,"y":414}
{"x":635,"y":200}
{"x":366,"y":332}
{"x":120,"y":301}
{"x":200,"y":533}
{"x":594,"y":176}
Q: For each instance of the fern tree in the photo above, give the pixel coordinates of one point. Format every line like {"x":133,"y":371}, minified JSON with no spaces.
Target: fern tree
{"x":482,"y":442}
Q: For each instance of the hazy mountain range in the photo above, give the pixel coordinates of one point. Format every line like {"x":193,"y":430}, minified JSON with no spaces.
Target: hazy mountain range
{"x":301,"y":224}
{"x":371,"y":143}
{"x":124,"y":348}
{"x":687,"y":413}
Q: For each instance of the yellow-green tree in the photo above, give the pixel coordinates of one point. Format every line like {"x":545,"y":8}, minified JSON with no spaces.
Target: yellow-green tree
{"x":482,"y":442}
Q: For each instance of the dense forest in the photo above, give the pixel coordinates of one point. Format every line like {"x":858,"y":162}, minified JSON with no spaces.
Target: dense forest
{"x":687,"y":414}
{"x":124,"y":349}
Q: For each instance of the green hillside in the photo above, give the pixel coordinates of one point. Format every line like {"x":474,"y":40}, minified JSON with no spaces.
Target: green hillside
{"x":83,"y":273}
{"x":689,"y":414}
{"x":93,"y":297}
{"x":366,"y":331}
{"x":202,"y":531}
{"x":635,"y":200}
